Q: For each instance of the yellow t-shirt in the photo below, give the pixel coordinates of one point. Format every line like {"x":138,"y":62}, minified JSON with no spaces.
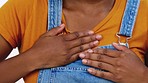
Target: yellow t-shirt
{"x":23,"y":21}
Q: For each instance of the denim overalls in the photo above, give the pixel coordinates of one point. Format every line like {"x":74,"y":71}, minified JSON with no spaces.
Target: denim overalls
{"x":76,"y":72}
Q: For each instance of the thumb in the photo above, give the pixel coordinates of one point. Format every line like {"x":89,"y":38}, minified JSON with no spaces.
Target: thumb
{"x":122,"y":48}
{"x":55,"y":31}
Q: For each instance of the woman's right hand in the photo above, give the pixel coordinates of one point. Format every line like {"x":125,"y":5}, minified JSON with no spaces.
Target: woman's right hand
{"x":51,"y":50}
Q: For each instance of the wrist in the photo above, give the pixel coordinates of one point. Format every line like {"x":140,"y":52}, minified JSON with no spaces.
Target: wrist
{"x":30,"y":60}
{"x":34,"y":59}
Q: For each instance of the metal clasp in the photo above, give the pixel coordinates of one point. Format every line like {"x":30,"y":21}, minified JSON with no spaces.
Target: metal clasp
{"x":123,"y":43}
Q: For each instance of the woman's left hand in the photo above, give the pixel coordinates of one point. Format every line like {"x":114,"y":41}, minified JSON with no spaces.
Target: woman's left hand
{"x":121,"y":65}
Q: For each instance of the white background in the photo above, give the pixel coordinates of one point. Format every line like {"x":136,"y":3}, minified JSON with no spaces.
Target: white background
{"x":15,"y":51}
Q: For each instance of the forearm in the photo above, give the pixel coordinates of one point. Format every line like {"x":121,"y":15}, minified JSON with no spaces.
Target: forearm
{"x":145,"y":75}
{"x":15,"y":68}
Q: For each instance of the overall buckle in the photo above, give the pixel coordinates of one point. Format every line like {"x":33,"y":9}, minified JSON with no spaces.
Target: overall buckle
{"x":126,"y":40}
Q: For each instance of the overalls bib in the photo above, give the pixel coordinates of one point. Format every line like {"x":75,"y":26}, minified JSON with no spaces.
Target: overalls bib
{"x":76,"y":72}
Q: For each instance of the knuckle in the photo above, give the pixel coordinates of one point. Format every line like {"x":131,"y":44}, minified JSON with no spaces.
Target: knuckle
{"x":66,"y":52}
{"x":118,"y":62}
{"x":88,"y":55}
{"x":89,"y":62}
{"x":76,"y":34}
{"x":118,"y":70}
{"x":99,"y":57}
{"x":66,"y":44}
{"x":122,"y":54}
{"x":102,"y":74}
{"x":95,"y":73}
{"x":100,"y":65}
{"x":79,"y":41}
{"x":81,"y":48}
{"x":82,"y":40}
{"x":118,"y":78}
{"x":91,"y":45}
{"x":97,"y":50}
{"x":65,"y":37}
{"x":104,"y":51}
{"x":81,"y":34}
{"x":91,"y":38}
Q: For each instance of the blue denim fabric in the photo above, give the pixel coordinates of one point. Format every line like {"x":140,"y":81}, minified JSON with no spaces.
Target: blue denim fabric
{"x":72,"y":73}
{"x":76,"y":72}
{"x":129,"y":17}
{"x":54,"y":13}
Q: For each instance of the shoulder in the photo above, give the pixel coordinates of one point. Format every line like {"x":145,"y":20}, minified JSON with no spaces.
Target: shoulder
{"x":21,"y":3}
{"x":17,"y":6}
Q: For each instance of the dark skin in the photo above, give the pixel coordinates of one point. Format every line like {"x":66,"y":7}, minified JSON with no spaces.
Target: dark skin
{"x":83,"y":15}
{"x":42,"y":54}
{"x":76,"y":21}
{"x":123,"y":66}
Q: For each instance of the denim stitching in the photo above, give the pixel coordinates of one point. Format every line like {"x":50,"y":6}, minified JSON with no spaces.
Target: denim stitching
{"x":129,"y":17}
{"x":54,"y":13}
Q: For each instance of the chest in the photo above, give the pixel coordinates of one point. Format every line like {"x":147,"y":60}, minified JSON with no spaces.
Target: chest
{"x":80,"y":22}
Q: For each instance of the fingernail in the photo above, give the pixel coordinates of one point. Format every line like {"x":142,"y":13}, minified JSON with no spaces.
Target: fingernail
{"x":90,"y":50}
{"x":84,"y":61}
{"x":90,"y":32}
{"x":62,"y":25}
{"x":90,"y":70}
{"x":95,"y":42}
{"x":98,"y":36}
{"x":116,"y":44}
{"x":82,"y":55}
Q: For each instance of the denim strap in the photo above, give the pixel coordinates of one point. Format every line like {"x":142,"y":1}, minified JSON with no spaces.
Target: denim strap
{"x":54,"y":13}
{"x":54,"y":20}
{"x":129,"y":18}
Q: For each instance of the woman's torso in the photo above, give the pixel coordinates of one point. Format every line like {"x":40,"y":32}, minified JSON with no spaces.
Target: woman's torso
{"x":36,"y":24}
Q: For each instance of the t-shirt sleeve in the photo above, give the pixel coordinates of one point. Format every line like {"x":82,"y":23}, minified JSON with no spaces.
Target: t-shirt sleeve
{"x":146,"y":2}
{"x":9,"y":23}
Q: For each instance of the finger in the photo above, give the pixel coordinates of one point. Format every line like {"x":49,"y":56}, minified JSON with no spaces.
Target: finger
{"x":76,"y":35}
{"x":101,"y":74}
{"x":100,"y":65}
{"x":98,"y":57}
{"x":74,"y":57}
{"x":122,"y":48}
{"x":83,"y":40}
{"x":84,"y":47}
{"x":90,"y":50}
{"x":107,"y":52}
{"x":55,"y":31}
